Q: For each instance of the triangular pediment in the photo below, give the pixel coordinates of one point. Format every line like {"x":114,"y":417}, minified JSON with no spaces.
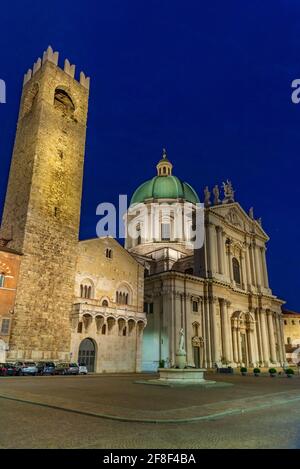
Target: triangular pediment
{"x":234,"y":215}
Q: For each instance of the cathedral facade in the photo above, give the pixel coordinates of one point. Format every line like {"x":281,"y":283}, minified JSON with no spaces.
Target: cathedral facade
{"x":115,"y":308}
{"x":219,"y":293}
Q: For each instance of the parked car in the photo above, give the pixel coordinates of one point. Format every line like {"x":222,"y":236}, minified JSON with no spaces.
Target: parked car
{"x":8,"y":369}
{"x":83,"y":369}
{"x":26,"y":368}
{"x":46,"y":368}
{"x":67,"y":369}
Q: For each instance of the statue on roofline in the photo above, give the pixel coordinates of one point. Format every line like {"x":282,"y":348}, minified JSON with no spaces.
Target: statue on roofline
{"x":228,"y":192}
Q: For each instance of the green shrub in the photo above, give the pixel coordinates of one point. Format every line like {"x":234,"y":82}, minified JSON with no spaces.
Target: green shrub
{"x":272,"y":371}
{"x":256,"y":370}
{"x":244,"y":369}
{"x":289,"y":371}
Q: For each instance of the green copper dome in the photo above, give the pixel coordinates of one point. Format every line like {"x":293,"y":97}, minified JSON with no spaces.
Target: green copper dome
{"x":164,"y":186}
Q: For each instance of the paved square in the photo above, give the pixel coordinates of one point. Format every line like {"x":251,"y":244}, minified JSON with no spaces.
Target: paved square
{"x":111,"y":411}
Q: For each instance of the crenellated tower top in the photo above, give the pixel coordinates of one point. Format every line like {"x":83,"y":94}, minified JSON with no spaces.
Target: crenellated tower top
{"x":50,"y":56}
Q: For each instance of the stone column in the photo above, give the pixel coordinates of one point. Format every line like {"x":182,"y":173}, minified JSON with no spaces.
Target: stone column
{"x":248,"y":267}
{"x":281,"y":357}
{"x":230,"y":338}
{"x":229,"y":260}
{"x":207,"y":332}
{"x":220,"y":250}
{"x":264,"y":338}
{"x":225,"y":330}
{"x":234,"y":342}
{"x":223,"y":250}
{"x":251,"y":347}
{"x":264,"y":267}
{"x":243,"y":271}
{"x":271,"y":335}
{"x":282,"y":338}
{"x":203,"y":331}
{"x":257,"y":266}
{"x":212,"y":248}
{"x":258,"y":336}
{"x":239,"y":345}
{"x":214,"y":331}
{"x":253,"y":269}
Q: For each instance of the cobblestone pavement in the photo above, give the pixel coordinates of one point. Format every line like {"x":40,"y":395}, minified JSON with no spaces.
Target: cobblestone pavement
{"x":25,"y":425}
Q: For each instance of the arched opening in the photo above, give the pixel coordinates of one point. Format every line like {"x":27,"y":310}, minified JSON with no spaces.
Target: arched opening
{"x":236,"y":271}
{"x":131,"y":327}
{"x":63,"y":102}
{"x":87,"y":354}
{"x":105,"y":303}
{"x":87,"y":289}
{"x":108,"y":253}
{"x":99,"y":323}
{"x":123,"y":295}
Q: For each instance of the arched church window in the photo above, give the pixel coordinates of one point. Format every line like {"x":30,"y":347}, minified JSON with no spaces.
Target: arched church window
{"x":236,"y":271}
{"x":123,"y":296}
{"x":86,"y":289}
{"x":105,"y":303}
{"x":2,"y":279}
{"x":164,"y":170}
{"x":63,"y":102}
{"x":165,"y":231}
{"x":103,"y":330}
{"x":79,"y":328}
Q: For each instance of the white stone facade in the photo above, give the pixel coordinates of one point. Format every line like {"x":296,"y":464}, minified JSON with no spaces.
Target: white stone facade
{"x":219,"y":294}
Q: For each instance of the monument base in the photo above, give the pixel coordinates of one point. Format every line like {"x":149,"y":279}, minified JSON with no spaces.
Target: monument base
{"x":182,"y":376}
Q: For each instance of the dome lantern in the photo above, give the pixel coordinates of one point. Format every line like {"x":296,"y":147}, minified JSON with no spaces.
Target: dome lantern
{"x":164,"y":166}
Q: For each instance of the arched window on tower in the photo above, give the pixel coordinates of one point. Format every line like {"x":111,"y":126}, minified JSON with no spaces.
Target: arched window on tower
{"x":63,"y":102}
{"x":236,"y":271}
{"x":108,"y":253}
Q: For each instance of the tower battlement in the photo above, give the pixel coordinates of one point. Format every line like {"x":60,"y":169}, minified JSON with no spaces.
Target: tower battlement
{"x":50,"y":56}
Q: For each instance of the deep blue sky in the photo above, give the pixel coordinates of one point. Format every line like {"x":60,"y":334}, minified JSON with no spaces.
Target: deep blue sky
{"x":210,"y":81}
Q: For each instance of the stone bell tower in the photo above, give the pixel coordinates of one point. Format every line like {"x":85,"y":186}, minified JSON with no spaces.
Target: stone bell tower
{"x":42,"y":207}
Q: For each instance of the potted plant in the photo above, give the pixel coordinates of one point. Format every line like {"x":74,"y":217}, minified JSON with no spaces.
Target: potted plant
{"x":244,"y":371}
{"x":289,"y":372}
{"x":256,"y":371}
{"x":272,"y":372}
{"x":161,"y":363}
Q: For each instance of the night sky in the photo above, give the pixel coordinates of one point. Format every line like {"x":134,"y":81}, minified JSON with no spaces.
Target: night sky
{"x":210,"y":81}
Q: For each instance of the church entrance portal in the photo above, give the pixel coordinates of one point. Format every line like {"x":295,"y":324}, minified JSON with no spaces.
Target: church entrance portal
{"x":87,"y":354}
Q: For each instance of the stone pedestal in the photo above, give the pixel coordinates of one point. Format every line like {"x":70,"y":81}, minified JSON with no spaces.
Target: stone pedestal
{"x":185,"y":376}
{"x":180,"y":359}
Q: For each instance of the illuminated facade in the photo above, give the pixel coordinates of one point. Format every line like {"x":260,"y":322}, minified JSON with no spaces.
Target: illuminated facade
{"x":219,"y":294}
